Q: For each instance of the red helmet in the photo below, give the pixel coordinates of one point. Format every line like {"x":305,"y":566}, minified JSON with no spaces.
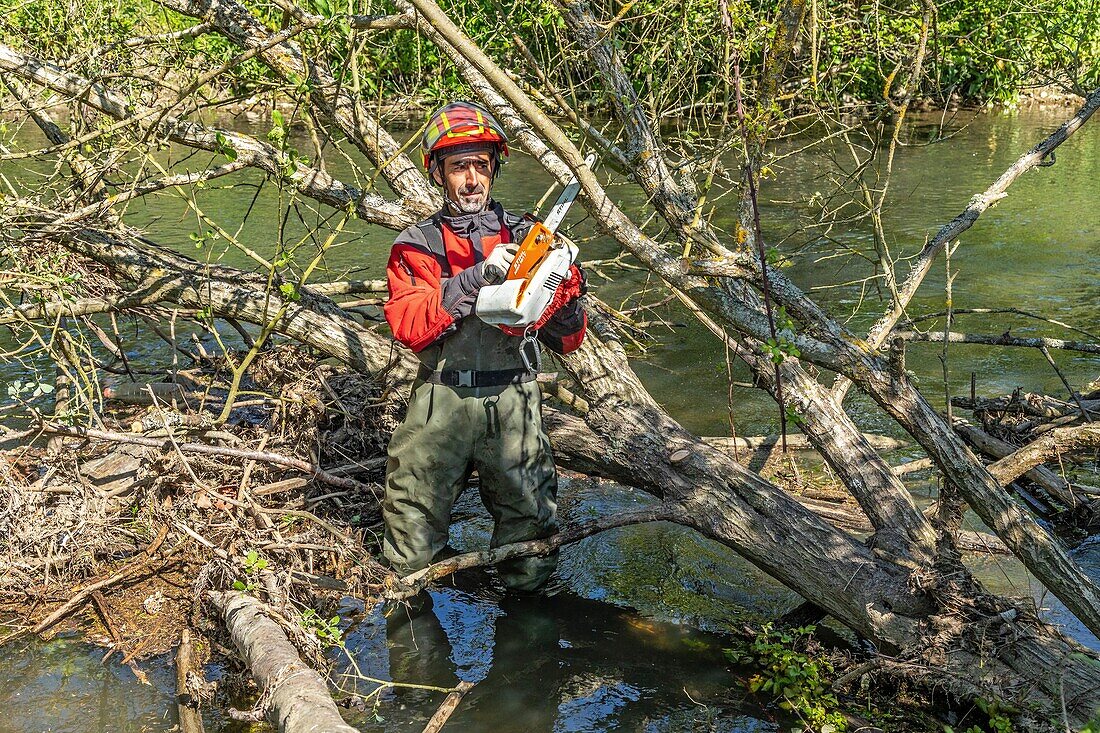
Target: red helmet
{"x":467,"y":124}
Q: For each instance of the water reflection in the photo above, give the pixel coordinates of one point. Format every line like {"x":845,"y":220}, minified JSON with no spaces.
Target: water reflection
{"x":550,"y":663}
{"x":62,"y":686}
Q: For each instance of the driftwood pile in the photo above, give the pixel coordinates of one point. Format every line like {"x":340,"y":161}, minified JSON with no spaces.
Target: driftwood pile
{"x":134,"y":531}
{"x":1066,"y":492}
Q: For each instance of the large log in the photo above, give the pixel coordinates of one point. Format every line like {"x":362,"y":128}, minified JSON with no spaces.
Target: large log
{"x":297,"y":699}
{"x":996,"y":448}
{"x":1049,"y":446}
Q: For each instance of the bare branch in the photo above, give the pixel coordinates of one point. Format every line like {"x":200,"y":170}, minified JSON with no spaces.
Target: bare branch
{"x":1002,"y":340}
{"x":212,"y":450}
{"x":310,"y":181}
{"x":950,"y":231}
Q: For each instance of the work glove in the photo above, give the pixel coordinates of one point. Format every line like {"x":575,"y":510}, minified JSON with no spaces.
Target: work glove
{"x":496,"y":265}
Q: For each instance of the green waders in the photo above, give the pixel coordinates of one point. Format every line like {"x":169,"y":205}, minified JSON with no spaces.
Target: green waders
{"x":447,"y":432}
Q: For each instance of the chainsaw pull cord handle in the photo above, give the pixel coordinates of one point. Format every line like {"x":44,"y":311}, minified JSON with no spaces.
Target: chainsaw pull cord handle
{"x":530,"y":344}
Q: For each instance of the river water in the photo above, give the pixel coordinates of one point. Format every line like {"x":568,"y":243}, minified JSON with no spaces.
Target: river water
{"x":632,"y":635}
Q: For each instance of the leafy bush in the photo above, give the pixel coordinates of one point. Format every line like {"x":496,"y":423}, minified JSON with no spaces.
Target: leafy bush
{"x":795,"y":673}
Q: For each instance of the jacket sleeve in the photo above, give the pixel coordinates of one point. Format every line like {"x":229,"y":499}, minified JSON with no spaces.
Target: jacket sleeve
{"x":415,"y":309}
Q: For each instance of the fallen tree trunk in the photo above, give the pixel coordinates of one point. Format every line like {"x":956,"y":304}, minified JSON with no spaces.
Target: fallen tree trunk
{"x":641,"y":446}
{"x":1049,"y":446}
{"x":295,"y":696}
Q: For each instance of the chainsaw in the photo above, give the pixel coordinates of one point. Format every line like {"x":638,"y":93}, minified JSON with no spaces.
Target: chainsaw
{"x":541,"y":264}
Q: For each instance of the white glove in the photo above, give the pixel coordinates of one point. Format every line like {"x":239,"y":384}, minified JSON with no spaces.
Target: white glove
{"x":496,"y":265}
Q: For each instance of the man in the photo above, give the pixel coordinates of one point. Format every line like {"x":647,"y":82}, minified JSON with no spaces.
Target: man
{"x":475,"y":402}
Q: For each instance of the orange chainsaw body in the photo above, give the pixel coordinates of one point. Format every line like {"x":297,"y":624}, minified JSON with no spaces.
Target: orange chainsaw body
{"x":541,"y":264}
{"x":532,"y":251}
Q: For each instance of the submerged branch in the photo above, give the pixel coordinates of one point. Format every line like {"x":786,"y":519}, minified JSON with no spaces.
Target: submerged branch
{"x":412,"y":584}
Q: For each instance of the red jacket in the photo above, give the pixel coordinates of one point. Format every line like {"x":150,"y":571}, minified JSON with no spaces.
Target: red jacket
{"x":433,"y":284}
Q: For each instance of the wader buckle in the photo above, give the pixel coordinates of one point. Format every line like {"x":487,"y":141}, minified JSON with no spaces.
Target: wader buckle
{"x":464,"y":377}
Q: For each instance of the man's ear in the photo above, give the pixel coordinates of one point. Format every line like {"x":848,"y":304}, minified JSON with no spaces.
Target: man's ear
{"x":437,"y":175}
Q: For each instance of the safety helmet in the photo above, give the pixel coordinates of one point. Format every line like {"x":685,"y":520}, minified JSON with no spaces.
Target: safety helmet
{"x":459,"y":127}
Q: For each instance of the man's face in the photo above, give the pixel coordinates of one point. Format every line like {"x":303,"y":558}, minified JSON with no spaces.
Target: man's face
{"x":466,"y":179}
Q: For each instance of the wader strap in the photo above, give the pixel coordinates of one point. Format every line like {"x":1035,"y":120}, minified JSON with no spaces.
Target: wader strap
{"x":432,"y":229}
{"x":471,"y":378}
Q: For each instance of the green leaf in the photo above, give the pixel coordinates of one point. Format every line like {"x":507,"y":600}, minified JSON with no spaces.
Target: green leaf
{"x":290,"y":291}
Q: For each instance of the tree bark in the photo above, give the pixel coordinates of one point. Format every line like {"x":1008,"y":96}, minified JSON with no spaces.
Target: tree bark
{"x":186,"y":704}
{"x":1049,"y":446}
{"x":1043,"y":477}
{"x":297,"y":699}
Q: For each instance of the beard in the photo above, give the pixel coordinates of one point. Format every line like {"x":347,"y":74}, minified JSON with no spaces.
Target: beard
{"x":471,"y":201}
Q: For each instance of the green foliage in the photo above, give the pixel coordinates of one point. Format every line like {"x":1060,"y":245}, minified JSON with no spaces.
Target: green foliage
{"x":999,"y":722}
{"x":782,"y":344}
{"x":980,"y":50}
{"x":794,"y":673}
{"x":289,"y":291}
{"x":674,"y":51}
{"x":203,"y":238}
{"x":20,"y":389}
{"x":1093,"y":726}
{"x":326,"y":630}
{"x":252,"y":564}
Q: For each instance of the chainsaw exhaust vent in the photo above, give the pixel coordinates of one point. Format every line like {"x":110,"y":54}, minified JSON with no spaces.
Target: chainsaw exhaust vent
{"x":552,"y":282}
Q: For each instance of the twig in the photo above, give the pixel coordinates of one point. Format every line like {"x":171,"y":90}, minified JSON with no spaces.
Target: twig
{"x":190,"y":718}
{"x":82,"y":596}
{"x":212,"y":450}
{"x":447,"y":707}
{"x":1065,"y":382}
{"x":986,"y":311}
{"x":1002,"y":340}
